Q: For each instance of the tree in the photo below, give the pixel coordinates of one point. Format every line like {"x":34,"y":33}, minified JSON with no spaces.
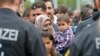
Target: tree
{"x":27,"y":4}
{"x":68,"y":3}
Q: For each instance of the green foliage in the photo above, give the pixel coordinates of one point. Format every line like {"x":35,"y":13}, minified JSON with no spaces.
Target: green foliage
{"x":60,"y":2}
{"x":68,"y":3}
{"x":27,"y":4}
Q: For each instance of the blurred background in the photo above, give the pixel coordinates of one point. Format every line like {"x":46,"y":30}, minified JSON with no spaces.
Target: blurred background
{"x":70,"y":4}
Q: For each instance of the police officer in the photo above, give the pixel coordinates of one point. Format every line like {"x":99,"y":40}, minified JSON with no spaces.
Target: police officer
{"x":90,"y":20}
{"x":87,"y":43}
{"x":17,"y":37}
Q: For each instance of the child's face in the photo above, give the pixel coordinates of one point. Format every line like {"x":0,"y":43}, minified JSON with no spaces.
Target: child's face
{"x":62,"y":26}
{"x":48,"y":43}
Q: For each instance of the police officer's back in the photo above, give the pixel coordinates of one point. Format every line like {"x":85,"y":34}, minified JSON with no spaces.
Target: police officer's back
{"x":17,"y":38}
{"x":87,"y":42}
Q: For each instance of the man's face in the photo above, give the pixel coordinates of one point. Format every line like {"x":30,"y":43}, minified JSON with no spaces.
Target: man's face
{"x":37,"y":12}
{"x":49,"y":8}
{"x":97,"y":4}
{"x":31,"y":17}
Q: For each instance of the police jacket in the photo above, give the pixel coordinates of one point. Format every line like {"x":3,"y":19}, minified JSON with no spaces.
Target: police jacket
{"x":17,"y":37}
{"x":88,"y":22}
{"x":84,"y":24}
{"x":87,"y":43}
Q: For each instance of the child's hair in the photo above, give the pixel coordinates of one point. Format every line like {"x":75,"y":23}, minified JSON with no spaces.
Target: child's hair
{"x":62,"y":9}
{"x":63,"y":18}
{"x":47,"y":34}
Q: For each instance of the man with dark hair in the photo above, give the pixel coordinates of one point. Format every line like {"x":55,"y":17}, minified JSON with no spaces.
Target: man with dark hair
{"x":17,"y":37}
{"x":86,"y":12}
{"x":38,"y":8}
{"x":91,"y":19}
{"x":87,"y":19}
{"x":49,"y":8}
{"x":87,"y":43}
{"x":50,"y":13}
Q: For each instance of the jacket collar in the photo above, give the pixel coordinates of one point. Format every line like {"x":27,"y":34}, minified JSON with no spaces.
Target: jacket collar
{"x":7,"y":11}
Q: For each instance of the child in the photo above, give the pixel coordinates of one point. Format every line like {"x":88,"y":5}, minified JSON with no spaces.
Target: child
{"x":65,"y":34}
{"x":49,"y":43}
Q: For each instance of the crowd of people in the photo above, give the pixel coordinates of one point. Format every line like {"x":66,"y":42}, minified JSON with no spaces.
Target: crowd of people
{"x":43,"y":30}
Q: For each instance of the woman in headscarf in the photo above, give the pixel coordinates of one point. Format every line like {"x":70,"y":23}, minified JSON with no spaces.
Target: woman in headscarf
{"x":44,"y":23}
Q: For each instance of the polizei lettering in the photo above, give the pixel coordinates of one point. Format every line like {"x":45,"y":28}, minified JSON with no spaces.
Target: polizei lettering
{"x":97,"y":40}
{"x":8,"y":34}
